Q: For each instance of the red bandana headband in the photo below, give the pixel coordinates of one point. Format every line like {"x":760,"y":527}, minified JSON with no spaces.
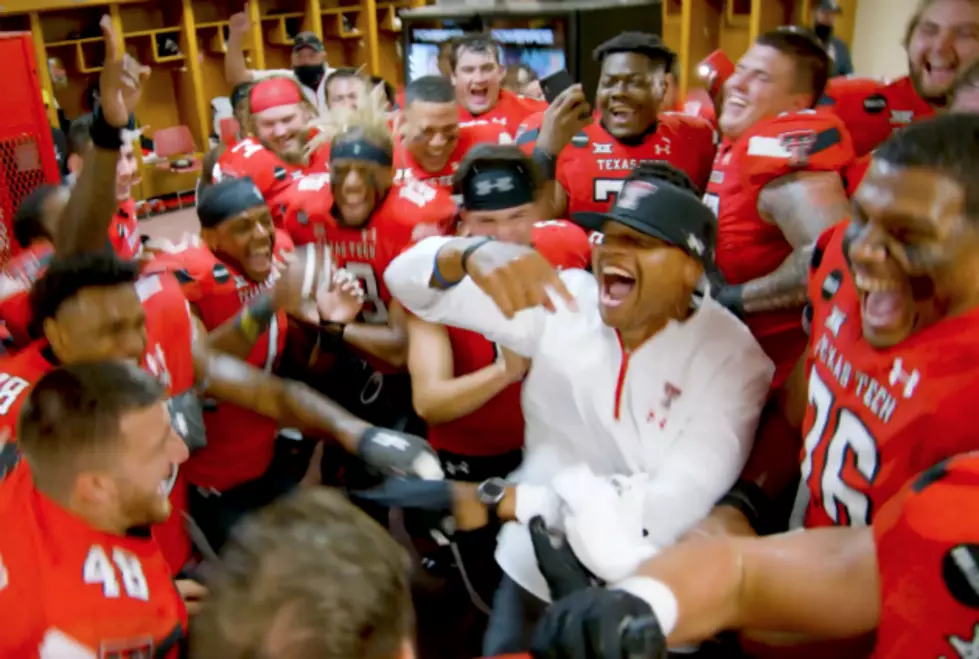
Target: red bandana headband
{"x":273,"y":93}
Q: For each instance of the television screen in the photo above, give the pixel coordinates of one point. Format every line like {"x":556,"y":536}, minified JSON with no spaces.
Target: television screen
{"x":542,"y":49}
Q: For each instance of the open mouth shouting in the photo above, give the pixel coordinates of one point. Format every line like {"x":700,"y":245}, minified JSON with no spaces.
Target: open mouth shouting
{"x":166,"y":485}
{"x":258,"y":259}
{"x":887,"y":308}
{"x":621,"y":115}
{"x":939,"y":75}
{"x":616,"y":284}
{"x":479,"y":96}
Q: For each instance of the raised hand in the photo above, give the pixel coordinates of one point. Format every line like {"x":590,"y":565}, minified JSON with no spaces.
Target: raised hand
{"x":564,"y":118}
{"x":310,"y":269}
{"x":240,"y":24}
{"x":121,"y":80}
{"x":516,"y":277}
{"x":341,"y":302}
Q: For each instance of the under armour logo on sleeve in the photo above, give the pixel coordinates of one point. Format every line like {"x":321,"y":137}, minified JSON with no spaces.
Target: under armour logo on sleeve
{"x":502,"y":184}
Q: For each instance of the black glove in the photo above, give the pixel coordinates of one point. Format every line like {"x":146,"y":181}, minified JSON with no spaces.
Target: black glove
{"x":395,"y":453}
{"x":562,"y":570}
{"x":597,"y":623}
{"x":410,"y":493}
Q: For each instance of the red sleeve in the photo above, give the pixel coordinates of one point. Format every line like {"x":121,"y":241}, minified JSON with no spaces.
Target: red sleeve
{"x":699,"y":145}
{"x":526,"y":137}
{"x":428,"y":210}
{"x":861,"y":104}
{"x":825,"y":250}
{"x":248,"y":158}
{"x":191,"y":269}
{"x":791,"y":143}
{"x":926,"y":540}
{"x":308,"y":204}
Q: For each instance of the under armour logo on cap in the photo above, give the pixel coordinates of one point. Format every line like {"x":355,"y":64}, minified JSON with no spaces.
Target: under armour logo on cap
{"x":695,"y":244}
{"x":501,"y":184}
{"x":633,"y":193}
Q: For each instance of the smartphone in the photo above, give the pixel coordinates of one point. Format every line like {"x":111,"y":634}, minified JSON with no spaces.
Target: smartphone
{"x":554,"y":84}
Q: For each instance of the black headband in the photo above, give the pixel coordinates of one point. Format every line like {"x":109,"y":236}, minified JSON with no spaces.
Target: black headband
{"x":496,"y":188}
{"x":225,"y":199}
{"x":359,"y":150}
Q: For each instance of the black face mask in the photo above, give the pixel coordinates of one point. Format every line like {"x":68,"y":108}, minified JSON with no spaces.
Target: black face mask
{"x":309,"y":75}
{"x":824,"y":31}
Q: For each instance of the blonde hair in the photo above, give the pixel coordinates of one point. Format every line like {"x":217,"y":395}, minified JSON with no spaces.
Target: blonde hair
{"x":369,"y":119}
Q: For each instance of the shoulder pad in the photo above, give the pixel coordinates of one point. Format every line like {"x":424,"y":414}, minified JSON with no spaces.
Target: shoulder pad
{"x":930,"y":476}
{"x":794,"y":142}
{"x":183,"y":276}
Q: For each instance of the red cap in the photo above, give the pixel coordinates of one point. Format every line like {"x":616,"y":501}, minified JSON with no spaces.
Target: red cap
{"x":273,"y":93}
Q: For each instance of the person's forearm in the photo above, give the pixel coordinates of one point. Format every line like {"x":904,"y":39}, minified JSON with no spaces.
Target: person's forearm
{"x":235,"y":69}
{"x":292,"y":404}
{"x":389,"y":344}
{"x":84,"y":224}
{"x":237,"y":336}
{"x":783,"y":288}
{"x":820,"y":582}
{"x":448,"y":400}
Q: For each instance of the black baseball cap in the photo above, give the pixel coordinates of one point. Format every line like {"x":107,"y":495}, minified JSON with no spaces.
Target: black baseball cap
{"x":663,"y":210}
{"x":307,"y":40}
{"x":829,"y":5}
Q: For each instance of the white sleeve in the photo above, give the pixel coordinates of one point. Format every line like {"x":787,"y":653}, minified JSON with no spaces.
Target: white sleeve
{"x":409,"y":276}
{"x":711,"y":451}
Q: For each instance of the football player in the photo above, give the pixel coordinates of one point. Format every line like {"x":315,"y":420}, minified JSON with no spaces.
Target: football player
{"x":274,"y":155}
{"x":240,"y":259}
{"x":776,"y":185}
{"x":591,"y":159}
{"x":80,"y":574}
{"x":343,"y":87}
{"x":476,"y":76}
{"x":879,"y":395}
{"x":431,"y":143}
{"x":239,"y":105}
{"x":941,"y":40}
{"x":367,"y":220}
{"x":910,"y":578}
{"x":464,"y":386}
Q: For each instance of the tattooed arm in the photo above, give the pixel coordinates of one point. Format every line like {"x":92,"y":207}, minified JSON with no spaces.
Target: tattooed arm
{"x":803,"y":205}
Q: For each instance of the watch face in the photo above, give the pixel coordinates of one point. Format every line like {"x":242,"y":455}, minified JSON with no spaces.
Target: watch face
{"x":492,"y":490}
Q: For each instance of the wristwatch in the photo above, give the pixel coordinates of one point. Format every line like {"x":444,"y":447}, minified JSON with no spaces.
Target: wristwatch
{"x":490,"y":493}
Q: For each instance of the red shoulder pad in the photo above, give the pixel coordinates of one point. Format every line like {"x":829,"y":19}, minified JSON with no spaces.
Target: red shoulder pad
{"x":826,"y":251}
{"x":248,"y":158}
{"x":479,"y":134}
{"x":191,"y":268}
{"x":418,"y":204}
{"x":794,"y":142}
{"x":563,"y":244}
{"x":283,"y":243}
{"x":528,"y":130}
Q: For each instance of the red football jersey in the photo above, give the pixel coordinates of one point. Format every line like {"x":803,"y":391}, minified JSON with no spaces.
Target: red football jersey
{"x":927,"y":550}
{"x":272,"y":175}
{"x":507,"y":115}
{"x":20,"y":272}
{"x":749,"y":246}
{"x":67,"y":588}
{"x":169,"y":357}
{"x":240,"y":442}
{"x":407,"y":210}
{"x":594,"y":166}
{"x":872,"y":110}
{"x":877,"y":417}
{"x":409,"y":170}
{"x":124,"y":231}
{"x":497,"y":427}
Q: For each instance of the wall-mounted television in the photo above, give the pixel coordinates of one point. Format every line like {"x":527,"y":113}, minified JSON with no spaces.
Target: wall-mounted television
{"x":547,"y":37}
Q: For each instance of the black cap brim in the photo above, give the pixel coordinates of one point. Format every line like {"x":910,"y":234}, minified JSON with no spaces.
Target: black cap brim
{"x":592,"y":221}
